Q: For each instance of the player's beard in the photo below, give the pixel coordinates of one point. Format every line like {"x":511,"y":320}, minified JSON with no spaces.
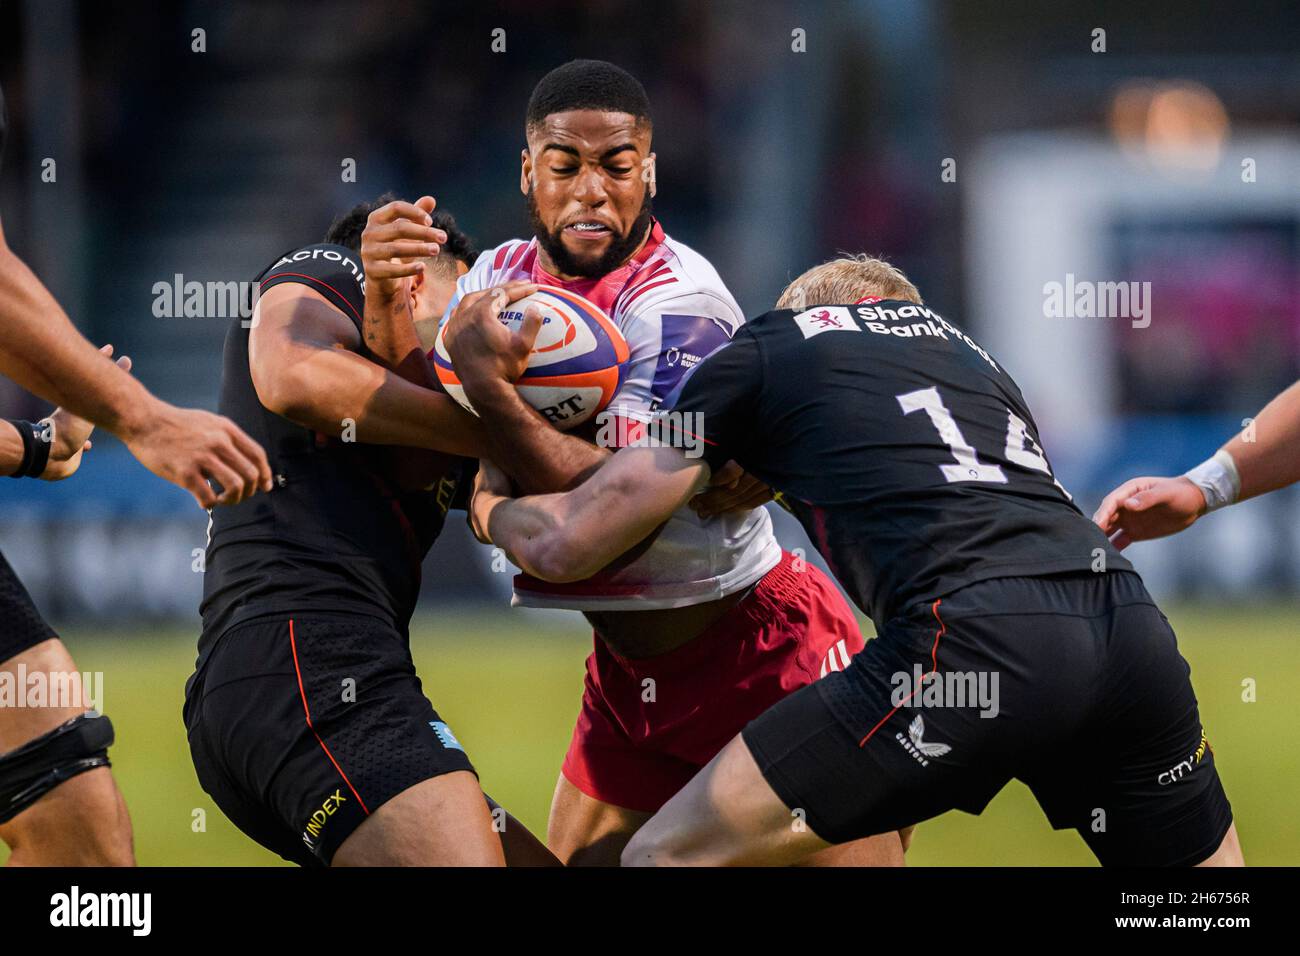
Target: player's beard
{"x":619,"y":251}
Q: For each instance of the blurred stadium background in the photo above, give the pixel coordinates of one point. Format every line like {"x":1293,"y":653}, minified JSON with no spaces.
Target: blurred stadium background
{"x":987,"y":149}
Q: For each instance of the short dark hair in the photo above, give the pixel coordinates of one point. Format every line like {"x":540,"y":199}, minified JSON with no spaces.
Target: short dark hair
{"x":346,"y":229}
{"x":587,"y":85}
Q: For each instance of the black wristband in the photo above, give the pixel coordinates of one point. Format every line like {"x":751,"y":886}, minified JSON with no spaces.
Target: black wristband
{"x":37,"y":441}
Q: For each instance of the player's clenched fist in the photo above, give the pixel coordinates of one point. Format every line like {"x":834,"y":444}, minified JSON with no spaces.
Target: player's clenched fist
{"x":397,"y":239}
{"x":731,"y":488}
{"x":483,"y":350}
{"x":1146,"y":508}
{"x":188,"y":447}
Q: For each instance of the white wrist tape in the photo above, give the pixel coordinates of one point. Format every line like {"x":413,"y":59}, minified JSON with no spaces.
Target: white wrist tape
{"x":1218,"y":480}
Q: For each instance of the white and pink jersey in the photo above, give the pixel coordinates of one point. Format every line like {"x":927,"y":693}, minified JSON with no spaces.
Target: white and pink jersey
{"x":671,"y":306}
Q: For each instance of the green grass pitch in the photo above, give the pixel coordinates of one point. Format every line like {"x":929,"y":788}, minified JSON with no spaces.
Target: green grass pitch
{"x":510,"y":691}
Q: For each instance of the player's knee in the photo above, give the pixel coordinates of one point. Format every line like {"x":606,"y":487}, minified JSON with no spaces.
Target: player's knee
{"x":641,"y":850}
{"x":81,"y":822}
{"x":58,"y":802}
{"x":1229,"y":851}
{"x":654,"y":846}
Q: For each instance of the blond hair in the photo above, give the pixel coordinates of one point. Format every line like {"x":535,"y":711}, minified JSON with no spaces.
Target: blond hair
{"x":845,"y":280}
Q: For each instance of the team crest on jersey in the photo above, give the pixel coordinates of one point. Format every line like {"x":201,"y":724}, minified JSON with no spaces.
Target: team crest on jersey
{"x":825,"y":318}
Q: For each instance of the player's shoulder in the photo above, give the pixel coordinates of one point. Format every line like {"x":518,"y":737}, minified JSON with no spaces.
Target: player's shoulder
{"x":681,"y":279}
{"x":772,"y":318}
{"x":316,"y":258}
{"x":788,"y":328}
{"x":830,"y":317}
{"x":692,"y":271}
{"x":767,"y":324}
{"x":333,"y":271}
{"x":514,"y":256}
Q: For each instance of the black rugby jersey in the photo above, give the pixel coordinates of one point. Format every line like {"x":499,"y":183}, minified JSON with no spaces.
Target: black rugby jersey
{"x":335,"y":533}
{"x":905,"y":450}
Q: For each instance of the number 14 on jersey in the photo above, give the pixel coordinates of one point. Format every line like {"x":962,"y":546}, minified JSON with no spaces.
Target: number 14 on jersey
{"x":1021,"y":449}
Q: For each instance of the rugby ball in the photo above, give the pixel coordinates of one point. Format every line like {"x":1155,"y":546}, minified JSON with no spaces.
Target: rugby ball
{"x":577,"y":363}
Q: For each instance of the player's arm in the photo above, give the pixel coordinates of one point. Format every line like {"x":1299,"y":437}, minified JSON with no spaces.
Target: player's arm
{"x":396,"y":246}
{"x":571,"y":536}
{"x":397,"y":239}
{"x":52,"y":448}
{"x":304,"y":367}
{"x":42,"y":351}
{"x":489,"y":358}
{"x":568,"y":537}
{"x":696,"y":323}
{"x":1261,"y":459}
{"x":1267,"y":455}
{"x":731,"y":488}
{"x":538,"y":456}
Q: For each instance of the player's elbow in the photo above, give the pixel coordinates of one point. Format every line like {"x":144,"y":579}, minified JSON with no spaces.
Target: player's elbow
{"x":285,"y":392}
{"x":560,"y":559}
{"x":572,"y":549}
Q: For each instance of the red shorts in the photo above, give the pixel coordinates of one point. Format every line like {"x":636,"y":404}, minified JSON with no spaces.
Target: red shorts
{"x":638,"y":743}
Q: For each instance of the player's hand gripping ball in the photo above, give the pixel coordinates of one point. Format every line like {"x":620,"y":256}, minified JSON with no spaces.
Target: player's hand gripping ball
{"x":577,"y":363}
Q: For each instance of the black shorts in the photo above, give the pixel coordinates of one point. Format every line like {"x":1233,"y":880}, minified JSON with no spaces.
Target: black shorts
{"x":1071,"y":683}
{"x":21,"y":625}
{"x":302,"y":726}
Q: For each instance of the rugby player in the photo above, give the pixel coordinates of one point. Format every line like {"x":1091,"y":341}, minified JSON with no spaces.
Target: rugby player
{"x":710,"y":623}
{"x":306,"y":720}
{"x":1260,"y":459}
{"x":59,"y":805}
{"x":912,"y":460}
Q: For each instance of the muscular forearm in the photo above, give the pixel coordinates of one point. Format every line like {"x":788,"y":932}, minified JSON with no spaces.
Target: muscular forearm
{"x":1267,"y":454}
{"x":334,"y":387}
{"x":527,"y":529}
{"x":389,"y":331}
{"x":390,"y":335}
{"x":559,"y":537}
{"x":529,"y":449}
{"x":568,"y":537}
{"x":42,"y":351}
